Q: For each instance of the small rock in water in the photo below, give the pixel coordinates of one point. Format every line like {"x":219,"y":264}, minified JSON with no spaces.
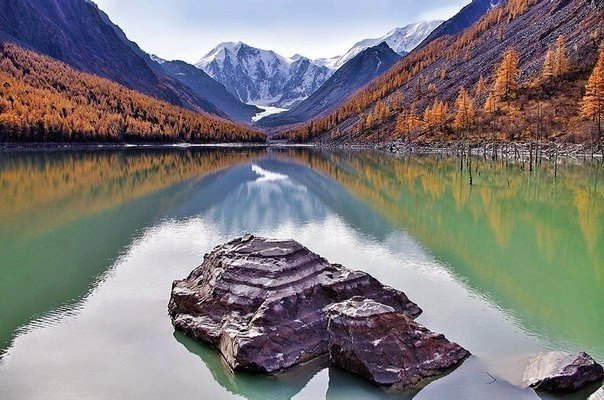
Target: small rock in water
{"x":264,"y":302}
{"x":388,"y":348}
{"x":559,"y":372}
{"x":599,"y":395}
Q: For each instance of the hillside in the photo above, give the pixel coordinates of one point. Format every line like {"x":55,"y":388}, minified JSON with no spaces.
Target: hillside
{"x":204,"y":86}
{"x":42,"y":100}
{"x":353,"y":75}
{"x":431,"y":78}
{"x":464,"y":19}
{"x":79,"y":34}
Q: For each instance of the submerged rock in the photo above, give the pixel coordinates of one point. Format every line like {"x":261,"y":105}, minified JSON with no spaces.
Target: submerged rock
{"x":264,"y":303}
{"x":375,"y":341}
{"x":559,"y":372}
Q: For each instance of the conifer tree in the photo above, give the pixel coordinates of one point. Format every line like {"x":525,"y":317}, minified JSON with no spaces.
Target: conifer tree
{"x":592,"y":106}
{"x":481,"y":87}
{"x":465,"y":111}
{"x":562,"y":65}
{"x":549,"y":65}
{"x":401,"y":125}
{"x":506,"y":76}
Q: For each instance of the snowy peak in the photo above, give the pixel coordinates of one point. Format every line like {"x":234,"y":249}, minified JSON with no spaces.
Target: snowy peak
{"x":157,"y":59}
{"x":401,"y":40}
{"x":263,"y":77}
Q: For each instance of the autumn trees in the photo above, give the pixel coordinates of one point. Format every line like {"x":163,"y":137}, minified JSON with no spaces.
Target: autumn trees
{"x":506,"y":76}
{"x":592,"y":106}
{"x":525,"y":84}
{"x":42,"y":99}
{"x":556,"y":62}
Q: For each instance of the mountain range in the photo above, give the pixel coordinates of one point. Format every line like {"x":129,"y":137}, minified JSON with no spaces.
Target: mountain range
{"x":499,"y":63}
{"x":264,"y":77}
{"x":354,"y":74}
{"x":464,"y":19}
{"x":401,"y":40}
{"x":77,"y":33}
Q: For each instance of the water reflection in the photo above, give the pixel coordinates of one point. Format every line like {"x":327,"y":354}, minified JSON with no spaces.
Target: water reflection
{"x":506,"y":268}
{"x":66,"y":216}
{"x":532,"y":242}
{"x":254,"y":387}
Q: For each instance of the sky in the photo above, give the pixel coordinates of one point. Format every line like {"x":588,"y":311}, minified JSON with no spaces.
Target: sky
{"x":189,"y":29}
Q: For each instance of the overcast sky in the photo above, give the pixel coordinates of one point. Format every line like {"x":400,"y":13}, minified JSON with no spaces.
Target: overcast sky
{"x":188,"y":29}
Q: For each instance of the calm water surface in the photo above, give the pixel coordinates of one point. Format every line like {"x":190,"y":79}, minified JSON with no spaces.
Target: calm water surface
{"x":91,"y":241}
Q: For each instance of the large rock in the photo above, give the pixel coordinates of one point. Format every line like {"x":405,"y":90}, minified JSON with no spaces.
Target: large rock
{"x":559,"y":372}
{"x":264,"y":303}
{"x":375,"y":341}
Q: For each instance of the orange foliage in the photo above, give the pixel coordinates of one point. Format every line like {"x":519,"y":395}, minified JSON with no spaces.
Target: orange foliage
{"x":42,"y":99}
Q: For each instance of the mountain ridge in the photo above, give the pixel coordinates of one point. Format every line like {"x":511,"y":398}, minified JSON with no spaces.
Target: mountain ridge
{"x":263,"y":77}
{"x":402,"y":40}
{"x":414,"y":98}
{"x":353,"y":75}
{"x":79,"y":34}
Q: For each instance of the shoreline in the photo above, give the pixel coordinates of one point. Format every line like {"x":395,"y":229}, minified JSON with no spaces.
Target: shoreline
{"x":498,"y":150}
{"x":504,"y":150}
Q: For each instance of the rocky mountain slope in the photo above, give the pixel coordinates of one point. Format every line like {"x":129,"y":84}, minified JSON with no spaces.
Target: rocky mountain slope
{"x":430,"y":78}
{"x":464,"y":19}
{"x":201,"y":84}
{"x":77,"y":33}
{"x":204,"y":86}
{"x":401,"y":40}
{"x":264,"y":77}
{"x":356,"y":73}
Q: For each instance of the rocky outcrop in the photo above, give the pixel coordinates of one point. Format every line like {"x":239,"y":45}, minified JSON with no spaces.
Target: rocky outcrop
{"x":264,"y":303}
{"x":269,"y":305}
{"x":559,"y":372}
{"x":388,"y":348}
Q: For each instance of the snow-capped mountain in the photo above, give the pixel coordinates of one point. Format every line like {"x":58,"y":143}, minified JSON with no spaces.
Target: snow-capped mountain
{"x":263,"y":77}
{"x":401,"y":40}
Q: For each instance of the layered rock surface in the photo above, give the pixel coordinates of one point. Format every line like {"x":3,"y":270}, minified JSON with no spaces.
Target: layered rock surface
{"x":559,"y":372}
{"x":269,"y":305}
{"x":263,"y":303}
{"x":388,"y":348}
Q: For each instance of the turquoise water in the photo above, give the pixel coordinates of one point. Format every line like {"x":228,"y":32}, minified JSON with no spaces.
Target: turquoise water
{"x":91,"y":241}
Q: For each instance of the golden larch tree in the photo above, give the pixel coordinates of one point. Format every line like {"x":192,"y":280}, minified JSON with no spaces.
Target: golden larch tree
{"x":549,"y":65}
{"x":465,"y":111}
{"x":506,"y":76}
{"x":562,"y":64}
{"x":481,"y":87}
{"x":592,"y":106}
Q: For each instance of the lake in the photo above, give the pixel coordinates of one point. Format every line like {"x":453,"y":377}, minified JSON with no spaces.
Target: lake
{"x":90,"y":242}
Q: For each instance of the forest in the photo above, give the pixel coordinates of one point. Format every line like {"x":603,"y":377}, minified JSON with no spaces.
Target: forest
{"x":44,"y":100}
